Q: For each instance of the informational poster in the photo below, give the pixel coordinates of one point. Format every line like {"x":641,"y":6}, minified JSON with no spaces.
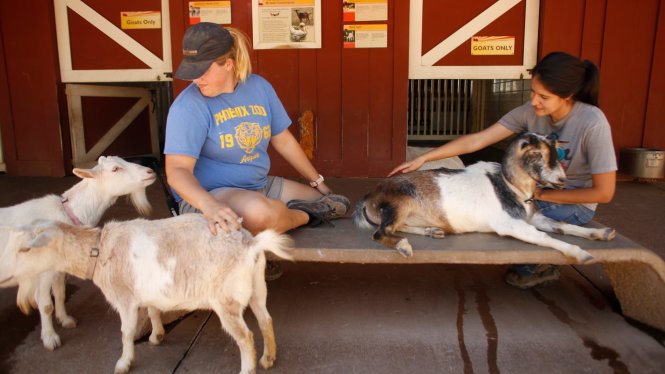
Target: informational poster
{"x":366,"y":36}
{"x":210,"y":11}
{"x":151,"y":19}
{"x":365,"y":10}
{"x":492,"y":45}
{"x":286,"y":24}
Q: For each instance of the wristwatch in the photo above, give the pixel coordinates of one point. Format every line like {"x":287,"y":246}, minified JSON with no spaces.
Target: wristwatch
{"x":318,"y":181}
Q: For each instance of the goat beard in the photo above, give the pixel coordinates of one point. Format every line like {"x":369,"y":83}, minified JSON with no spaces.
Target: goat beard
{"x":140,"y":202}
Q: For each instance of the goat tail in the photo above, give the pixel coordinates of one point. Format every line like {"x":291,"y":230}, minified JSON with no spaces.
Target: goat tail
{"x":271,"y":241}
{"x":360,"y":214}
{"x":25,"y":296}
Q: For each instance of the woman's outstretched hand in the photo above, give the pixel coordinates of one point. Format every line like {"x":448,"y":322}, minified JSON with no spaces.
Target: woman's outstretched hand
{"x":408,"y":166}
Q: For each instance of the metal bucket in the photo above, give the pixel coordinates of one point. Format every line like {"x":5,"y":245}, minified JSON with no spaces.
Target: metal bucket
{"x":642,"y":162}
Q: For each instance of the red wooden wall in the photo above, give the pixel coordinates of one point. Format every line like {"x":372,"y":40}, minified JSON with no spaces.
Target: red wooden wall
{"x":358,"y":96}
{"x":30,"y":92}
{"x":626,"y":41}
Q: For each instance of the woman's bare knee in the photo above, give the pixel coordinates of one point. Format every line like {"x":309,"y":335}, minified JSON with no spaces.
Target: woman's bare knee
{"x":259,"y":215}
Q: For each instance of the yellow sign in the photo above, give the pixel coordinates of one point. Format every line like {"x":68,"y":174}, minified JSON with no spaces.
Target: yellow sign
{"x":492,"y":45}
{"x":141,"y":20}
{"x":210,"y":11}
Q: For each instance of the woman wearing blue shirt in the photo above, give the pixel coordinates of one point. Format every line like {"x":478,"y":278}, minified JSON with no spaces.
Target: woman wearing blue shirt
{"x":217,"y":136}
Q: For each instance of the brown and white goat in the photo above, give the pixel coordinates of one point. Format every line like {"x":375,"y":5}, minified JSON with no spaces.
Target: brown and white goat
{"x":164,"y":265}
{"x":83,"y":204}
{"x":484,"y":197}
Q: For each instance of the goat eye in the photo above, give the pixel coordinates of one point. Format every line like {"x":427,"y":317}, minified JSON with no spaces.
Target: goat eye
{"x":115,"y":168}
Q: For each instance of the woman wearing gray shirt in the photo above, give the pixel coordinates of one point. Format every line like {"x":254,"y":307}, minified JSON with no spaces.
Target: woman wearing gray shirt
{"x":564,"y":104}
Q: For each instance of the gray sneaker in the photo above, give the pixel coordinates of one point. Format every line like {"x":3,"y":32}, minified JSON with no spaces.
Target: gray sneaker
{"x":325,"y":209}
{"x":543,"y":274}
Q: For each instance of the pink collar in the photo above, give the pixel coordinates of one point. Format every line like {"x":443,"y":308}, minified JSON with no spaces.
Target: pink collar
{"x":70,"y":214}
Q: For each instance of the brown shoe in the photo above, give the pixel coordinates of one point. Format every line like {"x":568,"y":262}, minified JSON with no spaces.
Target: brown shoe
{"x":544,"y":274}
{"x":325,"y":209}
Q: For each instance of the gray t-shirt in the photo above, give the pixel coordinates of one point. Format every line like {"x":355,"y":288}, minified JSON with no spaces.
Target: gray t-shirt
{"x":589,"y":148}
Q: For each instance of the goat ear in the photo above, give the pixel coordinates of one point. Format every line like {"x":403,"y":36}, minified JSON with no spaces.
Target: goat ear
{"x":525,"y":143}
{"x":41,"y":240}
{"x":83,"y":173}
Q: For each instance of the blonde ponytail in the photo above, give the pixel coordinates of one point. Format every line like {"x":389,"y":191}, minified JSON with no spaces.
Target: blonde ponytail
{"x":239,"y":53}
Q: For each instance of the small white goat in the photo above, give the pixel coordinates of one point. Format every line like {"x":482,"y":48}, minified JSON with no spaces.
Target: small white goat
{"x":167,"y":264}
{"x":484,"y":197}
{"x":83,"y":204}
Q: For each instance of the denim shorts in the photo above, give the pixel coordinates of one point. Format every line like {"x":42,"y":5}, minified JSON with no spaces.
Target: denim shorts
{"x":272,"y":190}
{"x":575,"y":214}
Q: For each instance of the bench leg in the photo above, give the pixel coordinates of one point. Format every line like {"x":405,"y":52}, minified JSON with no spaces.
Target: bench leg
{"x":640,"y":290}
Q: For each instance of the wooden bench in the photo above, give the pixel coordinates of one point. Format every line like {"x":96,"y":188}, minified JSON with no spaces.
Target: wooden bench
{"x":637,"y":274}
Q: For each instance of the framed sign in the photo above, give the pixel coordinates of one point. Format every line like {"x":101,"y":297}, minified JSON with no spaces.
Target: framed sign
{"x":286,"y":24}
{"x":366,"y":36}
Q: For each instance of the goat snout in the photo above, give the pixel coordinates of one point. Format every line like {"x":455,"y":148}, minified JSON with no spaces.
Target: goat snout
{"x":559,"y":183}
{"x":5,"y":282}
{"x":152,"y":176}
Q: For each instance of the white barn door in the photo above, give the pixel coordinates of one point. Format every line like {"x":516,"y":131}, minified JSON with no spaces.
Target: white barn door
{"x":455,"y":53}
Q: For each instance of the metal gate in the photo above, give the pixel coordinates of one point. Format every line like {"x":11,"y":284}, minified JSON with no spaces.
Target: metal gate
{"x":439,"y":109}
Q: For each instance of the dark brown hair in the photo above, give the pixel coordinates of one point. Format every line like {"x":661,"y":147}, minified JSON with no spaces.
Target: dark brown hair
{"x":566,"y":75}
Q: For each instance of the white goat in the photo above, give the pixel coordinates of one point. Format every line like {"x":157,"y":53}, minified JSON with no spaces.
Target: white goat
{"x":167,"y":264}
{"x":83,"y":204}
{"x":484,"y":197}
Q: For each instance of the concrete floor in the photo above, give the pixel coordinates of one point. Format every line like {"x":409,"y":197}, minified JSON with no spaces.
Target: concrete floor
{"x":350,"y":318}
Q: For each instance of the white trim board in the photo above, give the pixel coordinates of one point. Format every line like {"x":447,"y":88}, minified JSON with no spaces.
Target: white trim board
{"x":83,"y":158}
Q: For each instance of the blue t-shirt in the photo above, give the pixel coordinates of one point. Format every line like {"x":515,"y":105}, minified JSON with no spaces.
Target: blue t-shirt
{"x":228,"y":134}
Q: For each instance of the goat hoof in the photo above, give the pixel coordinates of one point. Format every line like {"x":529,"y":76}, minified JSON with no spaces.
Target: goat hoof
{"x":156,"y":339}
{"x":434,"y":232}
{"x":51,"y":342}
{"x":604,"y":234}
{"x":610,"y":234}
{"x":121,"y":368}
{"x":404,"y":248}
{"x":584,"y":257}
{"x":67,"y":322}
{"x":267,"y":361}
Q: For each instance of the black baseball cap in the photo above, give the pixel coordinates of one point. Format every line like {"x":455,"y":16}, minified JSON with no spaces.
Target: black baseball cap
{"x":202,"y":44}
